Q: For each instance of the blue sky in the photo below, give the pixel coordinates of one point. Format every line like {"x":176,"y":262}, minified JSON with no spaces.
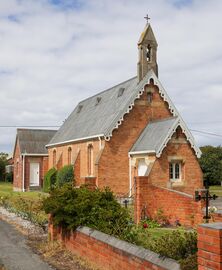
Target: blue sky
{"x":54,"y":53}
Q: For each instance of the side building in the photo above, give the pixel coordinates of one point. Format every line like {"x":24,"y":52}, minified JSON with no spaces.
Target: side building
{"x":30,"y":158}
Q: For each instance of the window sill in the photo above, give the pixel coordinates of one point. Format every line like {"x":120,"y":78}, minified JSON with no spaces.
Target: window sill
{"x":176,"y":183}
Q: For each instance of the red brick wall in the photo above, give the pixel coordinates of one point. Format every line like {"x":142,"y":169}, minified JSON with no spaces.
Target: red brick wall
{"x":216,"y":217}
{"x":77,"y":170}
{"x":17,"y":171}
{"x":113,"y":167}
{"x":210,"y":246}
{"x":45,"y":165}
{"x":173,"y":204}
{"x":81,"y":161}
{"x":108,"y":256}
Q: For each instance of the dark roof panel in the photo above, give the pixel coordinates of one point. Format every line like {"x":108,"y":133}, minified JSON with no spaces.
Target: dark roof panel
{"x":33,"y":141}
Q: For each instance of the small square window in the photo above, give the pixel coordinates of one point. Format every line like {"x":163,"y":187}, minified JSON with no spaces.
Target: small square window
{"x":175,"y":171}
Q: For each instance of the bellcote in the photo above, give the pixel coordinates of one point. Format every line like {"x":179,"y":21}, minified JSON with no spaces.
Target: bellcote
{"x":147,"y":52}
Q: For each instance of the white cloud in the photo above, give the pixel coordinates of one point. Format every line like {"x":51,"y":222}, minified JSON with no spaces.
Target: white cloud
{"x":52,"y":56}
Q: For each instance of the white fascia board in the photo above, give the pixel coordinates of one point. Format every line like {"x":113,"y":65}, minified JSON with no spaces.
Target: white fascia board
{"x":32,"y":154}
{"x":142,"y":152}
{"x":75,"y":140}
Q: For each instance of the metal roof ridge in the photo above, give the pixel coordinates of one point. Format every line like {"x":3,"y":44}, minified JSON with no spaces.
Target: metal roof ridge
{"x":110,"y":88}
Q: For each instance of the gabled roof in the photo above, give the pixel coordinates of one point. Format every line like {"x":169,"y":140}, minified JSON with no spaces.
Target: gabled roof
{"x":155,"y":136}
{"x":100,"y":115}
{"x":33,"y":141}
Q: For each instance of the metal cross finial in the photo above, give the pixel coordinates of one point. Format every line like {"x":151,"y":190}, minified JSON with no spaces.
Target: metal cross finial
{"x":147,"y":18}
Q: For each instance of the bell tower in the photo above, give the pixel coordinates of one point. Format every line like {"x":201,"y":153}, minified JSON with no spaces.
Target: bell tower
{"x":147,"y":51}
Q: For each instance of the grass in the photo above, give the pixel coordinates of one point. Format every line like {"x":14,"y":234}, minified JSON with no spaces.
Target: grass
{"x":6,"y":189}
{"x":216,"y":190}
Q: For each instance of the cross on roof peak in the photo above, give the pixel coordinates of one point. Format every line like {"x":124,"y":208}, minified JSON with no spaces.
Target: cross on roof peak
{"x":147,"y":18}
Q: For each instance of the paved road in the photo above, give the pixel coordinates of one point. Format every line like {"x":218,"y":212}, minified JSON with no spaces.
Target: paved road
{"x":217,"y":203}
{"x":15,"y":254}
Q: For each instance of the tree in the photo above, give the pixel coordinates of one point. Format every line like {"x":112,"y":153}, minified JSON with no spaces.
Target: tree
{"x":3,"y":163}
{"x":211,"y":164}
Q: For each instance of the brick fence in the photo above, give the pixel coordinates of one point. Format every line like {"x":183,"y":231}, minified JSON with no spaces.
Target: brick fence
{"x":210,"y":246}
{"x":175,"y":205}
{"x":114,"y":254}
{"x":107,"y":252}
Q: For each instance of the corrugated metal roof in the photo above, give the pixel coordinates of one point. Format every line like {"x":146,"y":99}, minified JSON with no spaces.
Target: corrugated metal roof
{"x":33,"y":141}
{"x":97,"y":114}
{"x":154,"y":135}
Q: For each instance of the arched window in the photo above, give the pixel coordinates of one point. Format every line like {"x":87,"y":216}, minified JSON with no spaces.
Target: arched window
{"x":54,"y":158}
{"x":69,"y":155}
{"x":148,"y":53}
{"x":149,"y":97}
{"x":90,"y":159}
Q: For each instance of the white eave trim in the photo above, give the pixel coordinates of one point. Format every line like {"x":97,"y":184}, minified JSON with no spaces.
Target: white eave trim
{"x":187,"y":133}
{"x":75,"y":140}
{"x":32,"y":154}
{"x":142,"y":152}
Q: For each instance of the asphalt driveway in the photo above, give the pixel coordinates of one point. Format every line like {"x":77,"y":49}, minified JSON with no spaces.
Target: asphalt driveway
{"x":14,"y":253}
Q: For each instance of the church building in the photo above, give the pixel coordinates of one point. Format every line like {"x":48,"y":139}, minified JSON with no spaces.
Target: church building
{"x":127,"y":131}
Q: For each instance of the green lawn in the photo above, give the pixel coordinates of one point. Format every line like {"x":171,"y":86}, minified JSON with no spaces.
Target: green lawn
{"x":216,"y":190}
{"x":6,"y":189}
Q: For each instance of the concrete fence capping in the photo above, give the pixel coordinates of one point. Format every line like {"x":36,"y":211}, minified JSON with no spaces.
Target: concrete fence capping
{"x":130,"y":250}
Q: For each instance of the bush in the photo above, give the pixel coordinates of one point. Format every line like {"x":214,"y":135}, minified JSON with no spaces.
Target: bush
{"x":71,"y":207}
{"x":27,"y":208}
{"x":178,"y":245}
{"x":9,"y":177}
{"x":65,"y":175}
{"x":49,"y":180}
{"x":190,"y":263}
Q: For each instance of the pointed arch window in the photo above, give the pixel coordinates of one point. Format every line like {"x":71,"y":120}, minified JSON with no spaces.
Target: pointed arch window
{"x":148,"y":53}
{"x":54,"y":158}
{"x":90,"y":159}
{"x":69,"y":155}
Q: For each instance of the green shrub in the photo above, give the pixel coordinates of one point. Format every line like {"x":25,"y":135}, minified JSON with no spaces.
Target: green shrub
{"x":190,"y":263}
{"x":178,"y":244}
{"x":49,"y":179}
{"x":27,"y":208}
{"x":71,"y":207}
{"x":9,"y":177}
{"x":65,"y":175}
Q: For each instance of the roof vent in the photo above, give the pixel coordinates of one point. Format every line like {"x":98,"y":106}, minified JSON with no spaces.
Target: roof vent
{"x":121,"y":91}
{"x":98,"y":99}
{"x":79,"y":108}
